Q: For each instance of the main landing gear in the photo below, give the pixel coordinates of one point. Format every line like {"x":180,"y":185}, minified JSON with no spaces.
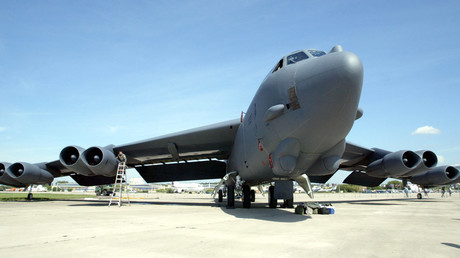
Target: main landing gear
{"x":248,"y":196}
{"x":281,"y":190}
{"x":30,"y":196}
{"x":273,"y":201}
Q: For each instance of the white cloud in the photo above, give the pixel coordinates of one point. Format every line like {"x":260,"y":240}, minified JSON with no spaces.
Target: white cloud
{"x":2,"y":129}
{"x":426,"y":130}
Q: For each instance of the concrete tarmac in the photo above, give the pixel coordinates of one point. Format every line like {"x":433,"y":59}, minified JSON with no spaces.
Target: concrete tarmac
{"x":193,"y":225}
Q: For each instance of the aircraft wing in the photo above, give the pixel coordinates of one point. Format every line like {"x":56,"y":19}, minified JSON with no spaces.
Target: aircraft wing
{"x":212,"y":141}
{"x":355,"y":157}
{"x":192,"y":146}
{"x":187,"y":155}
{"x":373,"y":166}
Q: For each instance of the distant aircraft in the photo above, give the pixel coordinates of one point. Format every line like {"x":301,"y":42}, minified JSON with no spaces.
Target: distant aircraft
{"x":293,"y":130}
{"x":187,"y":187}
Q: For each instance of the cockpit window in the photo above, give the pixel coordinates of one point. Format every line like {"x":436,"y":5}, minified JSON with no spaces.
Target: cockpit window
{"x":317,"y":53}
{"x":278,"y":66}
{"x":294,"y":58}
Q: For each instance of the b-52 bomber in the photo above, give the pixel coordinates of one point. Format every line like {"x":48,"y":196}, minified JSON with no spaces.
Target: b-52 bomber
{"x":293,"y":130}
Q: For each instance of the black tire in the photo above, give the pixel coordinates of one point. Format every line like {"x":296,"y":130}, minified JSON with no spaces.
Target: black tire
{"x":30,"y":196}
{"x":104,"y":193}
{"x":289,"y":203}
{"x":253,"y":195}
{"x":221,"y":195}
{"x":246,"y":196}
{"x":231,"y":196}
{"x":419,"y":196}
{"x":272,"y":202}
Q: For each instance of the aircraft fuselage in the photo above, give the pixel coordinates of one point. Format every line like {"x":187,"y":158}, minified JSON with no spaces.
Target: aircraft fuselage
{"x":298,"y":120}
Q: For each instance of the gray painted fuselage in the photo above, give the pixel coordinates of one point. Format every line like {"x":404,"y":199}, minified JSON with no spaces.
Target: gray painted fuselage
{"x":298,"y":119}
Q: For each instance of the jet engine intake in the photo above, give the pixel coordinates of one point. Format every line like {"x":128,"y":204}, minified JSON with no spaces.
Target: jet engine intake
{"x":100,"y":161}
{"x":394,"y":164}
{"x":5,"y":178}
{"x":28,"y":174}
{"x":429,"y":161}
{"x":71,"y":158}
{"x":437,"y":176}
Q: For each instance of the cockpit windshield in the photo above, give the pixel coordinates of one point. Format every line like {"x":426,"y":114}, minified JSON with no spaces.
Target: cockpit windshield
{"x":294,"y":58}
{"x":317,"y":53}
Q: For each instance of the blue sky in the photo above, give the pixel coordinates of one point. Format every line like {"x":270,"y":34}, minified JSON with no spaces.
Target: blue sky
{"x":112,"y":72}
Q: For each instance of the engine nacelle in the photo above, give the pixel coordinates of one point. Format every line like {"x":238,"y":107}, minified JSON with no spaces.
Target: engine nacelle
{"x":100,"y":161}
{"x":429,"y":161}
{"x":5,"y":178}
{"x":393,"y":164}
{"x":71,"y":158}
{"x":437,"y":176}
{"x":28,"y":174}
{"x":456,"y":181}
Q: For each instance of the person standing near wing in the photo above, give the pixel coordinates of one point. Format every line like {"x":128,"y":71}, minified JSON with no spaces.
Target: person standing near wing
{"x":121,"y":157}
{"x":406,"y":192}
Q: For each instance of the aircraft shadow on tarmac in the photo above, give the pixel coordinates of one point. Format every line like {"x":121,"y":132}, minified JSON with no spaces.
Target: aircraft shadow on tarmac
{"x":258,"y":211}
{"x":381,"y":201}
{"x":135,"y":202}
{"x":452,"y":245}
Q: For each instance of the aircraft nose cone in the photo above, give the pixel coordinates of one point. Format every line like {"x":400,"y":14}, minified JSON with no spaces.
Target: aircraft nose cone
{"x":348,"y":67}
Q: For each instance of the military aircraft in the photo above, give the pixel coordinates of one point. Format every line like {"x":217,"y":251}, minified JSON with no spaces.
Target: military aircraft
{"x":293,"y":130}
{"x":187,"y":187}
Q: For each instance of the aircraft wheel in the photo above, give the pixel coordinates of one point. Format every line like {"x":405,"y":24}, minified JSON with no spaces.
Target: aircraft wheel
{"x":246,"y":196}
{"x":272,"y":202}
{"x":289,"y":203}
{"x":253,"y":195}
{"x":419,"y":196}
{"x":221,"y":195}
{"x":230,"y":197}
{"x":30,"y":196}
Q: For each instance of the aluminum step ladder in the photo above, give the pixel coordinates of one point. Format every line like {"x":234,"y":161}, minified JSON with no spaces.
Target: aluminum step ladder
{"x":120,"y":180}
